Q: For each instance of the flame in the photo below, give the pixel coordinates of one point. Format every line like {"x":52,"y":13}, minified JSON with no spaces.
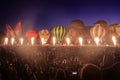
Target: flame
{"x":32,"y":40}
{"x":68,"y":41}
{"x":114,"y":40}
{"x":6,"y":41}
{"x":12,"y":41}
{"x":97,"y":41}
{"x":43,"y":41}
{"x":54,"y":40}
{"x":21,"y":41}
{"x":80,"y":41}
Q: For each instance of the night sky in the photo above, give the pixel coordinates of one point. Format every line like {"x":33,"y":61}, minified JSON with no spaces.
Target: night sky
{"x":44,"y":14}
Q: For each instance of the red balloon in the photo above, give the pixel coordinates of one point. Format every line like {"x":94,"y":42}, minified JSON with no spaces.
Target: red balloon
{"x":31,"y":33}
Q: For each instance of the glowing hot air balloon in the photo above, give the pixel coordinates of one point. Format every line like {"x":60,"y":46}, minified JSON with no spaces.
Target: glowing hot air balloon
{"x":117,"y":29}
{"x":31,"y":33}
{"x":98,"y":31}
{"x":15,"y":32}
{"x":114,"y":30}
{"x":44,"y":33}
{"x":59,"y":32}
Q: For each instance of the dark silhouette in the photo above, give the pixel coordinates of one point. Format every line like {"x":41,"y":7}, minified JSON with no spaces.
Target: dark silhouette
{"x":60,"y":75}
{"x":112,"y":73}
{"x":90,"y":72}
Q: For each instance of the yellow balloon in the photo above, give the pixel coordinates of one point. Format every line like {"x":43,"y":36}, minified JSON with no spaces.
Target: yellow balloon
{"x":44,"y":33}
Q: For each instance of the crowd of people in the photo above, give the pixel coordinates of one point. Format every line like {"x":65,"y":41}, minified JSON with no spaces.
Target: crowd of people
{"x":59,"y":63}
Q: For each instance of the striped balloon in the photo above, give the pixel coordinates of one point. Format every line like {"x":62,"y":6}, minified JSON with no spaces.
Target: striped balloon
{"x":59,"y":32}
{"x":97,"y":31}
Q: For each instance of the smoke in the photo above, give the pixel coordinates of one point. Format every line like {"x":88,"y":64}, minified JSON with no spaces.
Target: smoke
{"x":28,"y":17}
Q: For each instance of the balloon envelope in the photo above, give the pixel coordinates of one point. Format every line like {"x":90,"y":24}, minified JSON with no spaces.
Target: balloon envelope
{"x":44,"y":33}
{"x":97,"y":31}
{"x":114,"y":30}
{"x":59,"y":32}
{"x":31,"y":33}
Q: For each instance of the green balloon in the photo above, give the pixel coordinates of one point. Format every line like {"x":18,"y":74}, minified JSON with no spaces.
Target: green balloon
{"x":59,"y":32}
{"x":64,"y":32}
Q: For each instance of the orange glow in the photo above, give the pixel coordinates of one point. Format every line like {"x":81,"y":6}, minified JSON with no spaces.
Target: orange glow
{"x":6,"y":41}
{"x":114,"y":40}
{"x":68,"y":41}
{"x":12,"y":41}
{"x":21,"y":41}
{"x":43,"y":41}
{"x":97,"y":41}
{"x":54,"y":40}
{"x":81,"y":41}
{"x":32,"y":40}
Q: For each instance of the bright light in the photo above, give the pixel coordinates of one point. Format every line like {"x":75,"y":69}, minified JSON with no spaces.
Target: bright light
{"x":80,"y":41}
{"x":43,"y":41}
{"x":21,"y":41}
{"x":54,"y":40}
{"x":114,"y":40}
{"x":97,"y":41}
{"x":68,"y":41}
{"x":12,"y":41}
{"x":6,"y":41}
{"x":32,"y":40}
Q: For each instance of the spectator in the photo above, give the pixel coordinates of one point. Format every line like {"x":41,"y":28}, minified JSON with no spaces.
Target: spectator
{"x":90,"y":72}
{"x":112,"y":73}
{"x":60,"y":75}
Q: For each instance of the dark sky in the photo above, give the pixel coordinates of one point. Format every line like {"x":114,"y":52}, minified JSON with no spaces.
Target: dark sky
{"x":38,"y":14}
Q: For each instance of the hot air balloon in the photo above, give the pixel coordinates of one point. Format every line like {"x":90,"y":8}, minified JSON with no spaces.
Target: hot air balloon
{"x":31,"y":33}
{"x":76,"y":28}
{"x":9,"y":31}
{"x":114,"y":30}
{"x":77,"y":24}
{"x":117,"y":28}
{"x":16,"y":32}
{"x":97,"y":31}
{"x":59,"y":32}
{"x":44,"y":33}
{"x":103,"y":23}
